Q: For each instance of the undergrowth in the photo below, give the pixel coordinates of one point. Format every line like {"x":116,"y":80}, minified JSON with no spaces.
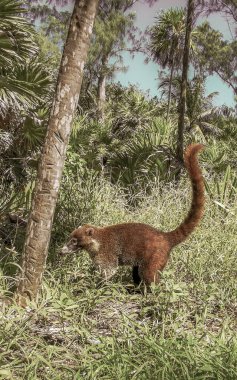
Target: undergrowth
{"x":84,"y":328}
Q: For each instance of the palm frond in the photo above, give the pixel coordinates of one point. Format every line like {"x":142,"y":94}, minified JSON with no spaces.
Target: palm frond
{"x":167,"y":36}
{"x":23,"y":87}
{"x":16,"y":34}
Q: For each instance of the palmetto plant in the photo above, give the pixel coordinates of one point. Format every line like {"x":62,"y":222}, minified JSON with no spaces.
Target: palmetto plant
{"x":21,"y":144}
{"x":145,"y":158}
{"x":129,"y":110}
{"x":92,"y":142}
{"x":24,"y":99}
{"x":22,"y":87}
{"x":16,"y":42}
{"x":24,"y":94}
{"x":131,"y":139}
{"x":22,"y":80}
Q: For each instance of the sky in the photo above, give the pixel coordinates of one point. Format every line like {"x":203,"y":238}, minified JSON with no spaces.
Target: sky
{"x":146,"y":75}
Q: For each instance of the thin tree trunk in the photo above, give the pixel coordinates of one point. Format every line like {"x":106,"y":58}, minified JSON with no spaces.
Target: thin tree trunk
{"x":101,"y":94}
{"x":170,"y":87}
{"x":182,"y":102}
{"x":52,"y":160}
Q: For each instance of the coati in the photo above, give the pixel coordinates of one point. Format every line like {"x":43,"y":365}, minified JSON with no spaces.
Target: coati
{"x":143,"y":247}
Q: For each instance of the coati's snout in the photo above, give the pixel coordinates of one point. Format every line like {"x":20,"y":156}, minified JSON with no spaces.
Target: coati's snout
{"x":70,"y":247}
{"x":79,"y":239}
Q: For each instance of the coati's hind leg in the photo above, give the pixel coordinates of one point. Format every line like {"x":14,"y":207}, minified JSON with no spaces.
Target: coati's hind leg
{"x":135,"y":275}
{"x":150,"y":271}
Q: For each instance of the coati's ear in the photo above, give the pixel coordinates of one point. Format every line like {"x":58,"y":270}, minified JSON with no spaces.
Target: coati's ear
{"x":89,"y":231}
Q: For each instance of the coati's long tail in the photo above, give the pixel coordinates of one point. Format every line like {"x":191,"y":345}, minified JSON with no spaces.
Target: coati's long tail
{"x":198,"y":198}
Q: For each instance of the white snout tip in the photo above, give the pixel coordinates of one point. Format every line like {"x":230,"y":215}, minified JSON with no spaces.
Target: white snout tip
{"x":65,"y":249}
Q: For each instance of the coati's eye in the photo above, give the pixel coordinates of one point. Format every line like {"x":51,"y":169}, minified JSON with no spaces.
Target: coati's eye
{"x":74,"y":241}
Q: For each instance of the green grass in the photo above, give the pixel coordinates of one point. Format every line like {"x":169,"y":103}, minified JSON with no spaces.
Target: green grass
{"x":83,"y":328}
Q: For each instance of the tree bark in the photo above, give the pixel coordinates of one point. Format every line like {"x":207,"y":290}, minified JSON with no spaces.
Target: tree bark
{"x":101,"y":94}
{"x":170,"y":87}
{"x":182,"y":102}
{"x":52,"y":160}
{"x":101,"y":97}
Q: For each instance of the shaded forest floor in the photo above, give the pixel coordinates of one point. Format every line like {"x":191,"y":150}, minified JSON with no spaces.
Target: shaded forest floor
{"x":82,"y":328}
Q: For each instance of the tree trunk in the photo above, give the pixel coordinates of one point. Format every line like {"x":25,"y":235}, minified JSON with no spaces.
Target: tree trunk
{"x":52,"y":160}
{"x":170,"y":87}
{"x":101,"y":95}
{"x":182,"y":102}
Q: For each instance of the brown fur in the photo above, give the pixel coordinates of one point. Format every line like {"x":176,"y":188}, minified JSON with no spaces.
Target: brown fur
{"x":142,"y":246}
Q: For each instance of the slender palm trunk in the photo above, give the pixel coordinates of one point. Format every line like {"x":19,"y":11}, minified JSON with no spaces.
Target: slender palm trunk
{"x":101,"y":89}
{"x":52,"y":160}
{"x":182,"y":102}
{"x":101,"y":96}
{"x":170,"y":88}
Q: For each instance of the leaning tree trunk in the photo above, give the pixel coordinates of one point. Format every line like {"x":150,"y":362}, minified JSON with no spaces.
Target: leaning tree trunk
{"x":52,"y":160}
{"x":182,"y":101}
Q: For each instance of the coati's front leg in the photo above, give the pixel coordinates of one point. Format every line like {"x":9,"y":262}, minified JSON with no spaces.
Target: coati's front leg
{"x":106,"y":268}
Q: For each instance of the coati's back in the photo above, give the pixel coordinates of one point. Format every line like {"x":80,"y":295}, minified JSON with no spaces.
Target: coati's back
{"x":133,"y":241}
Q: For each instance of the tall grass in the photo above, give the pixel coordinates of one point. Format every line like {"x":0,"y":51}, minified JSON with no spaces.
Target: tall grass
{"x":84,"y":328}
